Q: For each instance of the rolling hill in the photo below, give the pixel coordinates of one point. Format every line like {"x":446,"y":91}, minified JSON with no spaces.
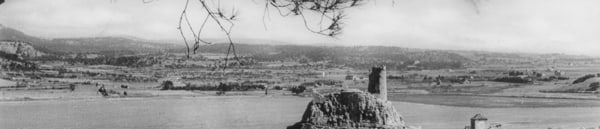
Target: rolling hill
{"x":96,"y":45}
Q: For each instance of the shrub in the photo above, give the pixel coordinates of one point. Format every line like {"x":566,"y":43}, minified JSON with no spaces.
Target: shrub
{"x":167,"y":85}
{"x":594,"y":86}
{"x":582,"y":79}
{"x":562,"y":78}
{"x":513,"y":80}
{"x":298,"y":89}
{"x":224,"y":87}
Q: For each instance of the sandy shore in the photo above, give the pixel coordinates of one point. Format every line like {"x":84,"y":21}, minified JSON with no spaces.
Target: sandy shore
{"x":526,"y":98}
{"x":35,"y":95}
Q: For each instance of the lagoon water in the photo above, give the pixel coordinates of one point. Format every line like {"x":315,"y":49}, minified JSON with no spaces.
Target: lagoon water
{"x":258,"y":113}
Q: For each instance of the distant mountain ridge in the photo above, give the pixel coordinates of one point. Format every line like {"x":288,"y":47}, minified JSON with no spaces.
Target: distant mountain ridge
{"x":106,"y":45}
{"x":279,"y":51}
{"x":363,"y":56}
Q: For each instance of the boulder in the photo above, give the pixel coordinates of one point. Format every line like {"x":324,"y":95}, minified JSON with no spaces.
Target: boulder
{"x":350,"y":109}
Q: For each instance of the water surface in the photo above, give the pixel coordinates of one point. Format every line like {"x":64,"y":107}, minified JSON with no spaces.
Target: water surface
{"x":257,"y":113}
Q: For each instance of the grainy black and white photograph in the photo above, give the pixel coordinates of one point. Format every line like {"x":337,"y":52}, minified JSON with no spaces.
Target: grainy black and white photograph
{"x":299,"y":64}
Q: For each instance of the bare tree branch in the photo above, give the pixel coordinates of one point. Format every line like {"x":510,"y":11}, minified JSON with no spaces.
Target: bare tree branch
{"x":330,"y":11}
{"x":476,"y":5}
{"x":330,"y":23}
{"x":219,"y":17}
{"x":183,"y":13}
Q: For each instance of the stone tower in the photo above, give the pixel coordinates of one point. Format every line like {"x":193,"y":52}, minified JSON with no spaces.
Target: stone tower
{"x":353,"y":108}
{"x":378,"y":82}
{"x":478,"y":122}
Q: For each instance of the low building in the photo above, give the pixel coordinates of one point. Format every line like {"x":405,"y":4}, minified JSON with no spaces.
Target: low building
{"x":478,"y":122}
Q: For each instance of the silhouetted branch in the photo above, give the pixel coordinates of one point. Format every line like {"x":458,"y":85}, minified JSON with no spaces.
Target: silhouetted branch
{"x":329,"y":10}
{"x":330,"y":23}
{"x":183,"y":14}
{"x":476,"y":5}
{"x":219,"y":17}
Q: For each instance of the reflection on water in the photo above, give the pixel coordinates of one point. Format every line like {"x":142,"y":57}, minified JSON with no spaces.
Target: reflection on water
{"x":257,"y":113}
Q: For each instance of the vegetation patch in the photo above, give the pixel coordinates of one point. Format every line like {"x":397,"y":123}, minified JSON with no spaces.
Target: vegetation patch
{"x":512,"y":79}
{"x":582,"y":79}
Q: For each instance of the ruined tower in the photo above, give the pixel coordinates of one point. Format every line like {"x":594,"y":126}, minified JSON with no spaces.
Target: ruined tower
{"x":377,"y":82}
{"x":353,"y":108}
{"x":478,"y":122}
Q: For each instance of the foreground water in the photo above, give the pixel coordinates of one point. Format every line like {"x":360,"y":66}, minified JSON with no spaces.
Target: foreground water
{"x":257,"y":113}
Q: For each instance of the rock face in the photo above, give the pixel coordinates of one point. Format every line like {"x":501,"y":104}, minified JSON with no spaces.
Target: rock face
{"x":22,"y":49}
{"x":350,"y":109}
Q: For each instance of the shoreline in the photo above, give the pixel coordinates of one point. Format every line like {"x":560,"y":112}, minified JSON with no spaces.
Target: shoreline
{"x":494,"y":101}
{"x":158,"y":94}
{"x":462,"y":100}
{"x":510,"y":96}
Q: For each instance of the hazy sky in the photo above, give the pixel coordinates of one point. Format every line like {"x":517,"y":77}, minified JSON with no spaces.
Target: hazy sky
{"x":538,"y":26}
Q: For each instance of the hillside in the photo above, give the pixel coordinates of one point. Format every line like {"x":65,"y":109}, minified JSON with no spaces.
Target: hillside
{"x":13,"y":55}
{"x":106,"y":45}
{"x":591,"y":84}
{"x":96,"y":45}
{"x":365,"y":56}
{"x":23,"y":49}
{"x":483,"y":57}
{"x":395,"y":57}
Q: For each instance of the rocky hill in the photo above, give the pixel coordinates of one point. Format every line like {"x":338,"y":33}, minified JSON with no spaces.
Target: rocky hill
{"x":350,"y":109}
{"x":13,"y":54}
{"x":22,"y":49}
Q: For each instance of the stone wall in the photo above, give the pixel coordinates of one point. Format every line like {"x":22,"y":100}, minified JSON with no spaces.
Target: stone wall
{"x":378,"y":82}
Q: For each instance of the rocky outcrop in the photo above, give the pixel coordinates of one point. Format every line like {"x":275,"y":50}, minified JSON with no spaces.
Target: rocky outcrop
{"x":350,"y":109}
{"x":22,"y":49}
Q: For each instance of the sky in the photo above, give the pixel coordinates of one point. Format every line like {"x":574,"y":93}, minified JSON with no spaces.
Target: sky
{"x":531,"y":26}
